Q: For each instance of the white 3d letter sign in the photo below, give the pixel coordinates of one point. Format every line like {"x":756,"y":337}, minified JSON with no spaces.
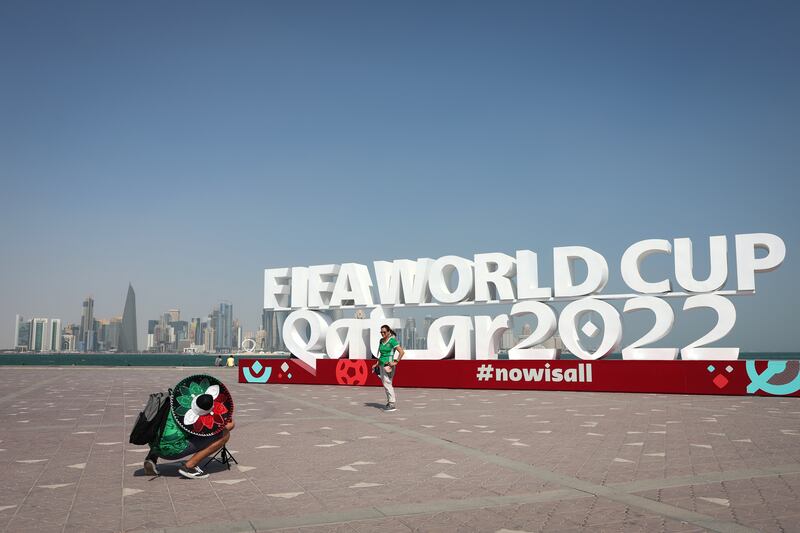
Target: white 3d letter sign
{"x":309,"y":293}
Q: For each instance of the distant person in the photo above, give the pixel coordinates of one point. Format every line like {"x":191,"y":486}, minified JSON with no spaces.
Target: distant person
{"x":218,"y":361}
{"x":388,"y":364}
{"x":231,"y":361}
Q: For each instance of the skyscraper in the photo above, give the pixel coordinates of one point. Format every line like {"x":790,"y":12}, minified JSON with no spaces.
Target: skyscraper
{"x":272,"y":324}
{"x":237,"y":335}
{"x":25,"y":335}
{"x":223,"y":329}
{"x":19,"y":321}
{"x":196,"y":331}
{"x":127,"y":333}
{"x":410,"y":330}
{"x":87,"y":325}
{"x":40,"y":335}
{"x":507,"y":340}
{"x":427,"y":324}
{"x":54,"y":344}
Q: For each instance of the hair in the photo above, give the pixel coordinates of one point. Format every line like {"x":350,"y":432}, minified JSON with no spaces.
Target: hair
{"x":390,"y":330}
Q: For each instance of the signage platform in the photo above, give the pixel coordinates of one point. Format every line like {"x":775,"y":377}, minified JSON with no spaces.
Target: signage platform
{"x":738,"y":378}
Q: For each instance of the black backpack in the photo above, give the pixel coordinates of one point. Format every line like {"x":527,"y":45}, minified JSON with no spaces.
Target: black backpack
{"x":151,"y":421}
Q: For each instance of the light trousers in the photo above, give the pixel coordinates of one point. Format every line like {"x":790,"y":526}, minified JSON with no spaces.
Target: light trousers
{"x":386,"y":379}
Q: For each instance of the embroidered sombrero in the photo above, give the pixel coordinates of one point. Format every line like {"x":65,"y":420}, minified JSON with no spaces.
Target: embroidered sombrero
{"x":201,"y":405}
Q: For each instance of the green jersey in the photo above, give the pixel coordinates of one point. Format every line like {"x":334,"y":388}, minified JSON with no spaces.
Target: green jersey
{"x":173,"y":439}
{"x":387,"y":349}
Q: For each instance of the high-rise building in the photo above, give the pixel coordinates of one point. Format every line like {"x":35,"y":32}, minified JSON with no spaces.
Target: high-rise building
{"x":68,"y":342}
{"x":54,"y":344}
{"x":507,"y":340}
{"x":237,"y":335}
{"x":87,"y":325}
{"x":195,"y":331}
{"x":426,"y":325}
{"x":152,"y":325}
{"x":272,"y":324}
{"x":128,"y":342}
{"x":24,"y":339}
{"x":209,"y":341}
{"x":111,"y":335}
{"x":261,"y":340}
{"x":104,"y":334}
{"x":40,"y":336}
{"x":181,"y":330}
{"x":19,"y":321}
{"x":174,"y":315}
{"x":223,"y":327}
{"x":69,"y":336}
{"x":203,"y":327}
{"x":410,"y":330}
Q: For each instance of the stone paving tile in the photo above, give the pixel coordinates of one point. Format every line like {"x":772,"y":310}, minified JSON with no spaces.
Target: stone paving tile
{"x":590,"y":514}
{"x":318,"y":452}
{"x":760,"y":503}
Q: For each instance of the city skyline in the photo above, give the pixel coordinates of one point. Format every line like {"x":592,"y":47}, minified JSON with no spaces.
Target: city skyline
{"x":222,"y":332}
{"x":185,"y":150}
{"x":170,"y":334}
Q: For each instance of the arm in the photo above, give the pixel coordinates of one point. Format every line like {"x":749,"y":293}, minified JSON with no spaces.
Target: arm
{"x":401,"y":352}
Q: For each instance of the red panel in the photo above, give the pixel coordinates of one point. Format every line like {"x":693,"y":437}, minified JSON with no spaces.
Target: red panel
{"x":679,"y":377}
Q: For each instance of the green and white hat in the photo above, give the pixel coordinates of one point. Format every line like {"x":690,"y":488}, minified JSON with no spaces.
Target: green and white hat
{"x":201,"y":405}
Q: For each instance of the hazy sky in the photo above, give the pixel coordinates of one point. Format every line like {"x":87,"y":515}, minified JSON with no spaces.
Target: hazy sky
{"x":185,"y":146}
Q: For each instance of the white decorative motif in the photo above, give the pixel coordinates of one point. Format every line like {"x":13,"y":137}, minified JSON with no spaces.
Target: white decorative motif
{"x":589,"y":329}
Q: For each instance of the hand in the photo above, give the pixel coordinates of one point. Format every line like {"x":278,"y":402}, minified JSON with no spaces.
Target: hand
{"x":393,"y":364}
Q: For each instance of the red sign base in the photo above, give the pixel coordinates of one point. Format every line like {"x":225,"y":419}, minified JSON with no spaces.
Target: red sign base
{"x":771,"y":378}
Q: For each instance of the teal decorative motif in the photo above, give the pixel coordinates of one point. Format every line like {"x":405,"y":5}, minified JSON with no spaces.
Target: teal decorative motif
{"x":257,"y":373}
{"x":760,"y":381}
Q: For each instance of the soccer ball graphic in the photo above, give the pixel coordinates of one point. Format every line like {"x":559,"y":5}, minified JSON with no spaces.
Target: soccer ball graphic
{"x":351,"y":372}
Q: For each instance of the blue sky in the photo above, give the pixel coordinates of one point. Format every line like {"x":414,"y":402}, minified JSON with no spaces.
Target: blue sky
{"x":186,"y":146}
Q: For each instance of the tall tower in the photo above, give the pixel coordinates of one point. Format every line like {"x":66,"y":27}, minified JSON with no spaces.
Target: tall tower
{"x":40,"y":336}
{"x":127,"y":333}
{"x":427,"y":324}
{"x":54,"y":344}
{"x":272,"y":323}
{"x":87,"y":325}
{"x":410,"y":331}
{"x":224,"y":327}
{"x":18,"y":321}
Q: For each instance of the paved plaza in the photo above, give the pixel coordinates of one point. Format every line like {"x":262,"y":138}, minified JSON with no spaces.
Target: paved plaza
{"x":325,"y":458}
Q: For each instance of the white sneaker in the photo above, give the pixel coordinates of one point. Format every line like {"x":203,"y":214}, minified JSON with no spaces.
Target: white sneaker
{"x":192,"y":473}
{"x":390,"y":407}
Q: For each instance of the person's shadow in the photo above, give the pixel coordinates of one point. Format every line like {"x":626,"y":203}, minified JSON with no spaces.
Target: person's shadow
{"x":380,"y":406}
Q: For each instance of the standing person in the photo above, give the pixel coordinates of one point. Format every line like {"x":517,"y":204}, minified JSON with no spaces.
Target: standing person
{"x":388,"y":364}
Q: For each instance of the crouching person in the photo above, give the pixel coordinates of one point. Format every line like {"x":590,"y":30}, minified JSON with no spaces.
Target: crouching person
{"x":175,"y":443}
